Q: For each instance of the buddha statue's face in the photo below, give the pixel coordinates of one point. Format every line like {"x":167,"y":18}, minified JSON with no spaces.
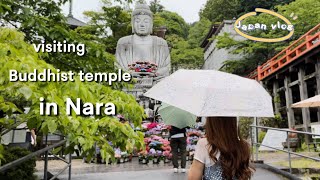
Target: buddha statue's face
{"x":142,"y":25}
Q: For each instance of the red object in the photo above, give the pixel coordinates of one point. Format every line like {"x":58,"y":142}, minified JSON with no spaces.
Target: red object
{"x":152,"y":125}
{"x":291,"y":134}
{"x":291,"y":53}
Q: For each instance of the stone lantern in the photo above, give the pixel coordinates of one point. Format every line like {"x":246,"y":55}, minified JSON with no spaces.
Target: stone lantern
{"x":160,"y":31}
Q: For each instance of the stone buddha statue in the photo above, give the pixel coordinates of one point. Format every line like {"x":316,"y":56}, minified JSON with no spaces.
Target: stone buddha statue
{"x":141,"y":46}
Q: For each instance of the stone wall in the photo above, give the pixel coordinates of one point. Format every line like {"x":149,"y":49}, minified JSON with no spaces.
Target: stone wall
{"x":214,"y":57}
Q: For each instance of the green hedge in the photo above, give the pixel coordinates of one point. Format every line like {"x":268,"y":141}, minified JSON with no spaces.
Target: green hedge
{"x":24,"y":171}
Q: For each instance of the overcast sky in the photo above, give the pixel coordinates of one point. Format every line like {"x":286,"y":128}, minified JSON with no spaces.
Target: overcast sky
{"x":188,"y":9}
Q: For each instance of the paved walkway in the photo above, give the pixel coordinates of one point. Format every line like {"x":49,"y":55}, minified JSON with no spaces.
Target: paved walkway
{"x":132,"y":171}
{"x":162,"y":174}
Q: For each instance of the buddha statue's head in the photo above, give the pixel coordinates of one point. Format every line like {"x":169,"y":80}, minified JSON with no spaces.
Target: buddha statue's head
{"x":142,"y":19}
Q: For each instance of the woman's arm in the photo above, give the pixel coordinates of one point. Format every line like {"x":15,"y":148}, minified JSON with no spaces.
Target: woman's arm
{"x":34,"y":137}
{"x":196,"y":170}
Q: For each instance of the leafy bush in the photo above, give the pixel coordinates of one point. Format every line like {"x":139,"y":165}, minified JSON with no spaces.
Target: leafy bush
{"x":303,"y":148}
{"x":244,"y":125}
{"x":276,"y":122}
{"x":262,"y":134}
{"x":84,"y":131}
{"x":23,"y":171}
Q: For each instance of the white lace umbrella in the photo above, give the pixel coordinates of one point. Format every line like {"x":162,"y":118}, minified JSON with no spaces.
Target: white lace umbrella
{"x":311,"y":102}
{"x":213,"y":93}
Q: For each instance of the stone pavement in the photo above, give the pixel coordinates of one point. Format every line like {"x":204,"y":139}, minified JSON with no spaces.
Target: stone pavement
{"x":162,"y":174}
{"x":132,"y":170}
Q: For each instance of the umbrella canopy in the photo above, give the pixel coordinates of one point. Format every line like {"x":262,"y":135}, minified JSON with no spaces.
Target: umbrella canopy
{"x":311,"y":102}
{"x":213,"y":93}
{"x":176,"y":117}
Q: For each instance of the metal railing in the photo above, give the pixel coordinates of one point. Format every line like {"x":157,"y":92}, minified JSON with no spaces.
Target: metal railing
{"x":46,"y":152}
{"x":303,"y":45}
{"x":254,"y":143}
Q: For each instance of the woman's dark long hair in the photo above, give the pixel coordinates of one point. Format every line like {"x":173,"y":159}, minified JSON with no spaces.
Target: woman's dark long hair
{"x":223,"y":136}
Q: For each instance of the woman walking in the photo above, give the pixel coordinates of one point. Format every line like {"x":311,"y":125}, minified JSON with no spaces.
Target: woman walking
{"x":223,"y":154}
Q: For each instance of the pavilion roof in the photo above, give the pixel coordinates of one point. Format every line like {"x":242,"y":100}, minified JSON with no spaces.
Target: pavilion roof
{"x":75,"y":22}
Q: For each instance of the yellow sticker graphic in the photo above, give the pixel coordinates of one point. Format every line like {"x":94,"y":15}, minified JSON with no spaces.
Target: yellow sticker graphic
{"x":263,"y":39}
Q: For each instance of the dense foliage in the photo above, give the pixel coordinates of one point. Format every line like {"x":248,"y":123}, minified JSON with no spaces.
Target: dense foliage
{"x":23,"y":171}
{"x":174,"y":22}
{"x":255,"y":53}
{"x":246,"y":6}
{"x":43,"y":21}
{"x":113,"y":22}
{"x":17,"y":54}
{"x":244,"y":127}
{"x":276,"y":122}
{"x":184,"y":39}
{"x":108,"y":25}
{"x":156,"y":7}
{"x":219,"y":10}
{"x":198,"y":32}
{"x":36,"y":21}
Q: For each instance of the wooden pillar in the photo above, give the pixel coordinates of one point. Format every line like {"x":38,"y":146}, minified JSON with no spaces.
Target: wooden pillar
{"x":303,"y":96}
{"x":288,"y":93}
{"x":276,"y":96}
{"x":318,"y":82}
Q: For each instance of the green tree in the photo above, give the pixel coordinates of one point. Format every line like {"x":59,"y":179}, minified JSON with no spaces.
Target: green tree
{"x":109,"y":25}
{"x":158,"y":21}
{"x":219,"y":10}
{"x":35,"y":18}
{"x":185,"y":56}
{"x":187,"y":53}
{"x":246,"y":6}
{"x":156,"y":7}
{"x":255,"y":53}
{"x":174,"y":23}
{"x":82,"y":130}
{"x":184,"y":42}
{"x":198,"y":32}
{"x":44,"y":21}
